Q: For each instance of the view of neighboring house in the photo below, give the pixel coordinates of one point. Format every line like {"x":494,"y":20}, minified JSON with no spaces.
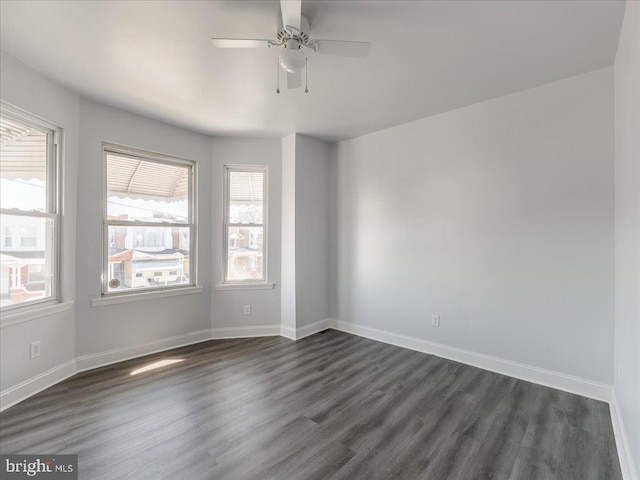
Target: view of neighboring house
{"x":245,"y":253}
{"x":147,"y":223}
{"x":146,"y":256}
{"x":28,"y":220}
{"x":244,"y":220}
{"x":23,"y":264}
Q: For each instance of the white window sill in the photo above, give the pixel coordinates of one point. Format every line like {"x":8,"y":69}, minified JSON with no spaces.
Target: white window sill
{"x":139,"y":296}
{"x":245,"y":286}
{"x":27,"y":314}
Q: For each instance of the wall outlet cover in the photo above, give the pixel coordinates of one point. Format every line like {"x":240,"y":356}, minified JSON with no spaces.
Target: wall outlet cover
{"x":35,"y":349}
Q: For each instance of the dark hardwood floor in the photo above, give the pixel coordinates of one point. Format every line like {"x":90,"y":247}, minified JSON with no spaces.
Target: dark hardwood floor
{"x":331,"y":406}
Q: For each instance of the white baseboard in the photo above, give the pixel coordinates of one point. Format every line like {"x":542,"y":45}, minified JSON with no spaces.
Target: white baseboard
{"x":560,"y":381}
{"x":313,"y":328}
{"x":26,"y":389}
{"x":568,"y":383}
{"x":288,"y":332}
{"x":88,"y":362}
{"x":627,"y":464}
{"x":307,"y":330}
{"x":30,"y":387}
{"x":96,"y":360}
{"x":102,"y":359}
{"x":243,"y":332}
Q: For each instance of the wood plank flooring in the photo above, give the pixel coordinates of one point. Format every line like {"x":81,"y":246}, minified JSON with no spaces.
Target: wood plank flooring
{"x":331,"y":406}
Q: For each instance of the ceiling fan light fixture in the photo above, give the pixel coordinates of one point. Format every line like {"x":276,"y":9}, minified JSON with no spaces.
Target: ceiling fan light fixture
{"x":292,"y":36}
{"x":292,"y":59}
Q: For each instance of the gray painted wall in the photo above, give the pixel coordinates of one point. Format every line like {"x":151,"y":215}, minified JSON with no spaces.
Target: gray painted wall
{"x":104,"y":328}
{"x":29,"y":90}
{"x":227,"y":305}
{"x":627,"y":227}
{"x":498,"y":217}
{"x":311,"y":230}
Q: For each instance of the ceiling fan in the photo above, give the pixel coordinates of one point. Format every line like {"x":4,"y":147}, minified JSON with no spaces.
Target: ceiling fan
{"x":292,"y":36}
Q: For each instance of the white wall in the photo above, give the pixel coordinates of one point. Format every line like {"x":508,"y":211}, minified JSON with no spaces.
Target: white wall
{"x":227,"y":305}
{"x":311,"y":230}
{"x":305,"y":232}
{"x":498,"y":217}
{"x":29,"y":90}
{"x":288,"y":290}
{"x":627,"y":228}
{"x":127,"y":325}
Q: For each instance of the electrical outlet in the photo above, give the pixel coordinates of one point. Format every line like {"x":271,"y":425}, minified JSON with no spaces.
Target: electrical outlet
{"x":247,"y":309}
{"x":435,"y":320}
{"x":35,"y":349}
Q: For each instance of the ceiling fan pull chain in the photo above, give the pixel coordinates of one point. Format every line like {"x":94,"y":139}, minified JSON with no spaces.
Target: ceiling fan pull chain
{"x":306,"y":75}
{"x":278,"y":76}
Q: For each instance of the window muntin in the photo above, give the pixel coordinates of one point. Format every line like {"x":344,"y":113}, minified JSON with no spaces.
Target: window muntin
{"x":245,"y":226}
{"x":149,"y":221}
{"x":29,"y":216}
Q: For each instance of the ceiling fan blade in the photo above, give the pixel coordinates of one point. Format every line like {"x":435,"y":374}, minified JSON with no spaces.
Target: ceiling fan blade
{"x":342,"y":48}
{"x":294,"y":80}
{"x":240,"y":43}
{"x":291,"y":12}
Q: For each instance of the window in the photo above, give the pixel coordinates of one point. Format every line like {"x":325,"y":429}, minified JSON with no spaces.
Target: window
{"x":29,"y":214}
{"x":245,"y":224}
{"x":149,"y":221}
{"x":37,"y":274}
{"x":28,"y":237}
{"x":152,"y":239}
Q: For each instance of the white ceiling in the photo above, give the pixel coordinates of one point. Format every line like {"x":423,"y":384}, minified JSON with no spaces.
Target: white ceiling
{"x":427,"y":57}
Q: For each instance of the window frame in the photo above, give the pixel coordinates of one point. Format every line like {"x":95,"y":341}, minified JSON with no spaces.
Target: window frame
{"x":192,"y":220}
{"x":228,"y":169}
{"x":53,"y":204}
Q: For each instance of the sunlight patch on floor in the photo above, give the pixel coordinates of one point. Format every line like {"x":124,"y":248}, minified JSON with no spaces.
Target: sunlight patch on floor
{"x":154,"y":365}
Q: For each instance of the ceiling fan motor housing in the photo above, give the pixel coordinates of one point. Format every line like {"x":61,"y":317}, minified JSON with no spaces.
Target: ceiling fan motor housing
{"x":283,"y":35}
